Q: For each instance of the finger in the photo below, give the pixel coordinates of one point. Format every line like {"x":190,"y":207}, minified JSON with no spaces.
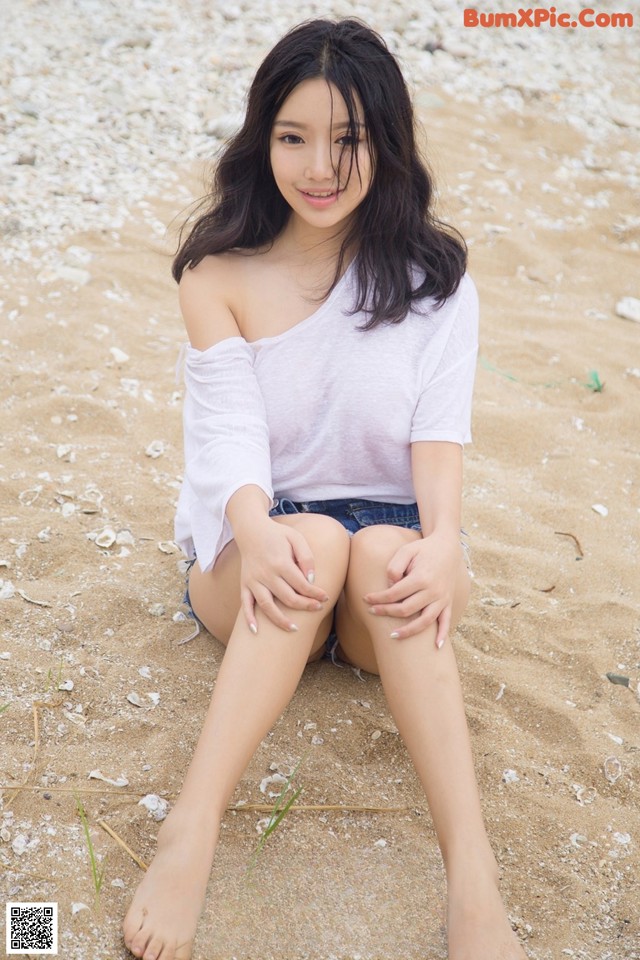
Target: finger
{"x":444,"y":623}
{"x":288,"y":596}
{"x":248,"y":605}
{"x":267,"y":605}
{"x":305,"y":584}
{"x":421,"y":623}
{"x":407,"y":608}
{"x":398,"y":564}
{"x":298,"y":582}
{"x":395,"y":594}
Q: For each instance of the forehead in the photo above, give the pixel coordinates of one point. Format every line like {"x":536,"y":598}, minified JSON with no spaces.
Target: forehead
{"x":317,"y":99}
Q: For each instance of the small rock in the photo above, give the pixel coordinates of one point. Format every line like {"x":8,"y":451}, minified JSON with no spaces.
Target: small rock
{"x":118,"y":355}
{"x":629,"y":308}
{"x":510,"y":776}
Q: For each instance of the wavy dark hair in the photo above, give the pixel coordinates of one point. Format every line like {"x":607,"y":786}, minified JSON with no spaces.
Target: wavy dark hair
{"x":393,"y":227}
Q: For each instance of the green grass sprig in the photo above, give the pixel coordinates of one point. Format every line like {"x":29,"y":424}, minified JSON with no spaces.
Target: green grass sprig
{"x":96,"y":875}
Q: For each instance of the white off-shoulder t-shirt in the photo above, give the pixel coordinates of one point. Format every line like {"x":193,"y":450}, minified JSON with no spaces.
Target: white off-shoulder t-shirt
{"x":323,"y":410}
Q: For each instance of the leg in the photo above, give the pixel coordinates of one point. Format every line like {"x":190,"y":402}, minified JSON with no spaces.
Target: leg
{"x":423,"y":690}
{"x":257,"y":678}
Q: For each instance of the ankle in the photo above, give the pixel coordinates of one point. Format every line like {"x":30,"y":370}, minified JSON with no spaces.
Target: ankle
{"x":466,"y":863}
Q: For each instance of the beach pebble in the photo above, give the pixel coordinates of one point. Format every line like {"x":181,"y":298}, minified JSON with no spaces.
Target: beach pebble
{"x":157,"y":806}
{"x":629,"y":308}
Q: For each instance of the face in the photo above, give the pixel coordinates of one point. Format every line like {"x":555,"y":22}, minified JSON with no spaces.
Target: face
{"x":308,"y":137}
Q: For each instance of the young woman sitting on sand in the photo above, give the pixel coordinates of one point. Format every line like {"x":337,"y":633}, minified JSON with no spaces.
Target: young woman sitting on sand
{"x":333,"y":339}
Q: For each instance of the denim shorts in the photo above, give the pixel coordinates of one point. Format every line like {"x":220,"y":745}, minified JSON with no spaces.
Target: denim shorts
{"x":353,"y":514}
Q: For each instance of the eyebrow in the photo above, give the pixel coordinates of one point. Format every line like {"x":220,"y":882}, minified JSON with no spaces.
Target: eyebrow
{"x":303,"y":126}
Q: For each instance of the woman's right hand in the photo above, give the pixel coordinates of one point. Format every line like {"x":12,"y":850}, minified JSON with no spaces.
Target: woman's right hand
{"x":277,"y":564}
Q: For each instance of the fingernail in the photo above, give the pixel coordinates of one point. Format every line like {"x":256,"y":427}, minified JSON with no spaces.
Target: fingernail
{"x":311,"y":576}
{"x":292,"y":627}
{"x":440,"y":643}
{"x":394,"y":635}
{"x":253,"y":628}
{"x":317,"y":606}
{"x":372,"y":610}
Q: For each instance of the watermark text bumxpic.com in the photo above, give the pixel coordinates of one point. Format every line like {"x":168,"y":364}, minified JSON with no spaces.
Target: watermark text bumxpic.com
{"x":546,"y":16}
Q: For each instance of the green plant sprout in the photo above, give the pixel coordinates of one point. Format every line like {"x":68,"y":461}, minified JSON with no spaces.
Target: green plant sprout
{"x":98,"y":877}
{"x":594,"y":383}
{"x":280,"y":809}
{"x":51,"y":683}
{"x":5,"y":706}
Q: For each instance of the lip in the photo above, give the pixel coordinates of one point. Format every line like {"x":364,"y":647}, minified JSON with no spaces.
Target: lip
{"x":320,"y":202}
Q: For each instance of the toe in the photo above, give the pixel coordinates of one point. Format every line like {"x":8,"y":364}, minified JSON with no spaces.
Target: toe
{"x":157,"y":949}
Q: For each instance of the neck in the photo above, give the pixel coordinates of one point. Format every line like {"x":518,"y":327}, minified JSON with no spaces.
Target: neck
{"x":308,"y":244}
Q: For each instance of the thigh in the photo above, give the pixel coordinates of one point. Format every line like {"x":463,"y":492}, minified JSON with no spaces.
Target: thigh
{"x":215,"y":595}
{"x":371,"y":550}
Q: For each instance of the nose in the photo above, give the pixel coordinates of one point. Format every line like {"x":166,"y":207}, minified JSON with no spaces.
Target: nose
{"x":320,"y":162}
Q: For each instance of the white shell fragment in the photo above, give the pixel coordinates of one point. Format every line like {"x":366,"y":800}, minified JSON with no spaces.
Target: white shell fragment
{"x":612,"y":769}
{"x":601,"y":509}
{"x":510,"y":776}
{"x":275,"y":779}
{"x":584,"y":795}
{"x":622,"y":838}
{"x":577,"y":839}
{"x":629,"y":308}
{"x":167,"y":546}
{"x":120,"y":782}
{"x":66,"y":685}
{"x":77,"y":907}
{"x":157,"y":610}
{"x":134,"y":698}
{"x":145,"y":672}
{"x":157,"y":806}
{"x":155,"y":449}
{"x":103,"y":538}
{"x":7,"y":590}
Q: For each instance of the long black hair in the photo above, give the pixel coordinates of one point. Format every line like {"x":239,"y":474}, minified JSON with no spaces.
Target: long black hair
{"x":393,"y":227}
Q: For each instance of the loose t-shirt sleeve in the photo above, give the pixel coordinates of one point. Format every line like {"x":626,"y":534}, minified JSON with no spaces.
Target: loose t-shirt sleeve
{"x":226,"y":444}
{"x":443,"y":410}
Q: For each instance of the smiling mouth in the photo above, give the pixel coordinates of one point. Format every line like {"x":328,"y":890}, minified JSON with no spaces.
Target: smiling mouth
{"x":320,"y":194}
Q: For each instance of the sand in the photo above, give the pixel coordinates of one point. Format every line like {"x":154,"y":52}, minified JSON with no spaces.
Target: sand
{"x":91,"y":439}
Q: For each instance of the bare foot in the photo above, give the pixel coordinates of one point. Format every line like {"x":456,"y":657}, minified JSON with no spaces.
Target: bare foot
{"x":162,"y":919}
{"x":478,"y":925}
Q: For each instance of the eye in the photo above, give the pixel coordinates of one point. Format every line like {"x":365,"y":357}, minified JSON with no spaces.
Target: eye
{"x":349,"y":141}
{"x":291,"y":138}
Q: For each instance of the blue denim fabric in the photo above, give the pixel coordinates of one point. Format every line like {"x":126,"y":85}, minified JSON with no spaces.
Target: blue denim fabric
{"x":354,"y":514}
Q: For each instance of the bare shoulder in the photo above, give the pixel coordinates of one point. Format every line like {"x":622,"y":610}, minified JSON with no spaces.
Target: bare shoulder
{"x":206,"y":295}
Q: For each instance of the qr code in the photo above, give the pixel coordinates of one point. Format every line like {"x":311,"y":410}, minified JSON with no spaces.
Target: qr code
{"x":32,"y":928}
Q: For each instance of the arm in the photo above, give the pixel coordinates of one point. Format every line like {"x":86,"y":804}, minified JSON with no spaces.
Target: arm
{"x":228,"y":463}
{"x":423,"y":573}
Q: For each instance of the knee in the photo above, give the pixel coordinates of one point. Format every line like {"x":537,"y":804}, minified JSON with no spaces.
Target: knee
{"x":378,"y":543}
{"x":322,"y":533}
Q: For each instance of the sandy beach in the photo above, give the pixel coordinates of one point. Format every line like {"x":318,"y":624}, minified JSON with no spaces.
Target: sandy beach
{"x":109,"y":115}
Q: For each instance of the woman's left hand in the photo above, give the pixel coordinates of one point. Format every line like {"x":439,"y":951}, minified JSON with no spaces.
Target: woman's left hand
{"x":422,"y":576}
